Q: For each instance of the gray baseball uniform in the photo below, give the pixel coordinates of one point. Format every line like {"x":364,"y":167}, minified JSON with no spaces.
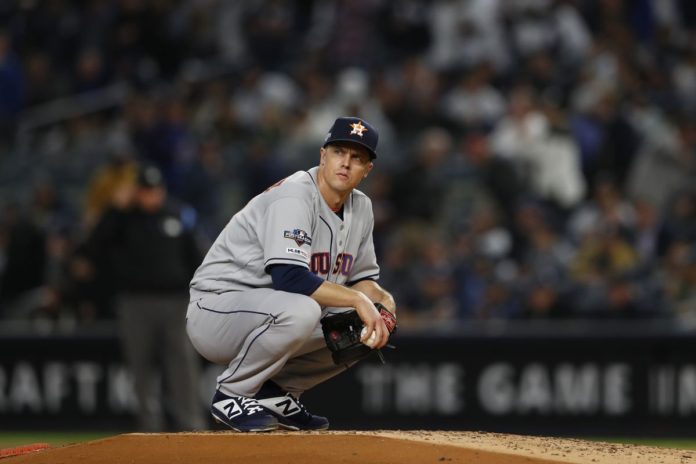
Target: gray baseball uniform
{"x":236,"y":318}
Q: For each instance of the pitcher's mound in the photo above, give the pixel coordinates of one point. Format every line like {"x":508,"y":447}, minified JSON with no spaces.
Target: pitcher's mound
{"x":376,"y":447}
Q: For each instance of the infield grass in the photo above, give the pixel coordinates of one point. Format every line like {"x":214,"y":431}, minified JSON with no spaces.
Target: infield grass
{"x":679,"y":443}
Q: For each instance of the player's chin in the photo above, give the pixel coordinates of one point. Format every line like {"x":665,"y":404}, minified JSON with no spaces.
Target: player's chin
{"x":345,"y":183}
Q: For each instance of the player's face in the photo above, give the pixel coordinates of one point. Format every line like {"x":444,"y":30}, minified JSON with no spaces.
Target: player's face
{"x":151,"y":199}
{"x":344,"y":165}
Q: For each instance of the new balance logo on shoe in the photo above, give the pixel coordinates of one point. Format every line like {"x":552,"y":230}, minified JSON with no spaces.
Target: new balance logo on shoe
{"x":241,"y":413}
{"x":230,"y":408}
{"x":292,"y":414}
{"x":289,"y":406}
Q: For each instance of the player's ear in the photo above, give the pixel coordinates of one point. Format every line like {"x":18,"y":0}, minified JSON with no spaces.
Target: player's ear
{"x":369,"y":168}
{"x":322,"y":155}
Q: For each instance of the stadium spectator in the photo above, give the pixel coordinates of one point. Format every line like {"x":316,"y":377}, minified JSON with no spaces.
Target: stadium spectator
{"x":111,"y":186}
{"x":11,"y":89}
{"x":576,"y":115}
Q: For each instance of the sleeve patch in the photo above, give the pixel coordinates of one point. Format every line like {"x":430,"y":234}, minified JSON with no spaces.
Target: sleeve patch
{"x":298,"y":252}
{"x":299,"y":236}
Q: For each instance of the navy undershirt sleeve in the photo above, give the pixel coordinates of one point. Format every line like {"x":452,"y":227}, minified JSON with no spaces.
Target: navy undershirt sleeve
{"x":294,"y":279}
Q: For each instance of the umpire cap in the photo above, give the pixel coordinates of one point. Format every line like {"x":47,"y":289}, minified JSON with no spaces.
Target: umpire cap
{"x":352,"y":129}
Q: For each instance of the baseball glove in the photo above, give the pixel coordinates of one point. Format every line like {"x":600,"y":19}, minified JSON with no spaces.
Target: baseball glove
{"x":342,"y":335}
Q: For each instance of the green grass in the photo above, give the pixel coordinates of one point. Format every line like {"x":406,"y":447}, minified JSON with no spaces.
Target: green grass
{"x":679,"y":443}
{"x":12,"y":439}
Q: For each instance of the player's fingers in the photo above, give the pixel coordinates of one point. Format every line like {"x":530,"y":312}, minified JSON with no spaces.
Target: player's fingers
{"x":382,"y":334}
{"x":369,"y":327}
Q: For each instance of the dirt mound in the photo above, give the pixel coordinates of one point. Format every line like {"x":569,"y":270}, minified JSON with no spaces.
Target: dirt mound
{"x":374,"y":447}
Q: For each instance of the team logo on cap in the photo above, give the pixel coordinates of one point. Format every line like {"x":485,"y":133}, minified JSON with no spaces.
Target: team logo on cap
{"x":299,"y":236}
{"x":358,"y":128}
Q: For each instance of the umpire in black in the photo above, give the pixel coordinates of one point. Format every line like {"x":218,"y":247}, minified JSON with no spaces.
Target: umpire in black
{"x":149,"y":253}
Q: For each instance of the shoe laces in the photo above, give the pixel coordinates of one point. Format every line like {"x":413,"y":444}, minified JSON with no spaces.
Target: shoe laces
{"x":302,"y":407}
{"x":250,"y":405}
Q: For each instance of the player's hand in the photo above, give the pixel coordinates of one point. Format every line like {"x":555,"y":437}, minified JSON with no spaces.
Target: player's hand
{"x":373,"y":322}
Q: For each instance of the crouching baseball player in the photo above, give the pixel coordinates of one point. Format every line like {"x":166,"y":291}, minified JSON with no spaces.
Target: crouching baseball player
{"x":287,"y":296}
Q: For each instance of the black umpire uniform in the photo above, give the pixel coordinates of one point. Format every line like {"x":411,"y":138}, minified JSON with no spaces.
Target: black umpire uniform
{"x":148,"y":252}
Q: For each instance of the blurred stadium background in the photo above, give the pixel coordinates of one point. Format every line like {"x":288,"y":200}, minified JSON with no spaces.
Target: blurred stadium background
{"x":534,"y":195}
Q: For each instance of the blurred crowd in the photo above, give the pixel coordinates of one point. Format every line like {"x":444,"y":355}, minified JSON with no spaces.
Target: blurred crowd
{"x":537,"y":158}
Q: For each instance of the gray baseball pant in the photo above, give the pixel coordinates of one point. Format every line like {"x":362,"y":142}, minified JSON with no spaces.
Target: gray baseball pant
{"x":261,"y":334}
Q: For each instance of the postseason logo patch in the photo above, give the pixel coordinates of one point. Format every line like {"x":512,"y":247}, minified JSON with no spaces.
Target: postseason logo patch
{"x":297,"y":251}
{"x":299,"y":236}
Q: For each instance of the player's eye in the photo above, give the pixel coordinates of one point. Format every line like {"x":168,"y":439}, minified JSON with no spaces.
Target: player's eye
{"x":358,"y":158}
